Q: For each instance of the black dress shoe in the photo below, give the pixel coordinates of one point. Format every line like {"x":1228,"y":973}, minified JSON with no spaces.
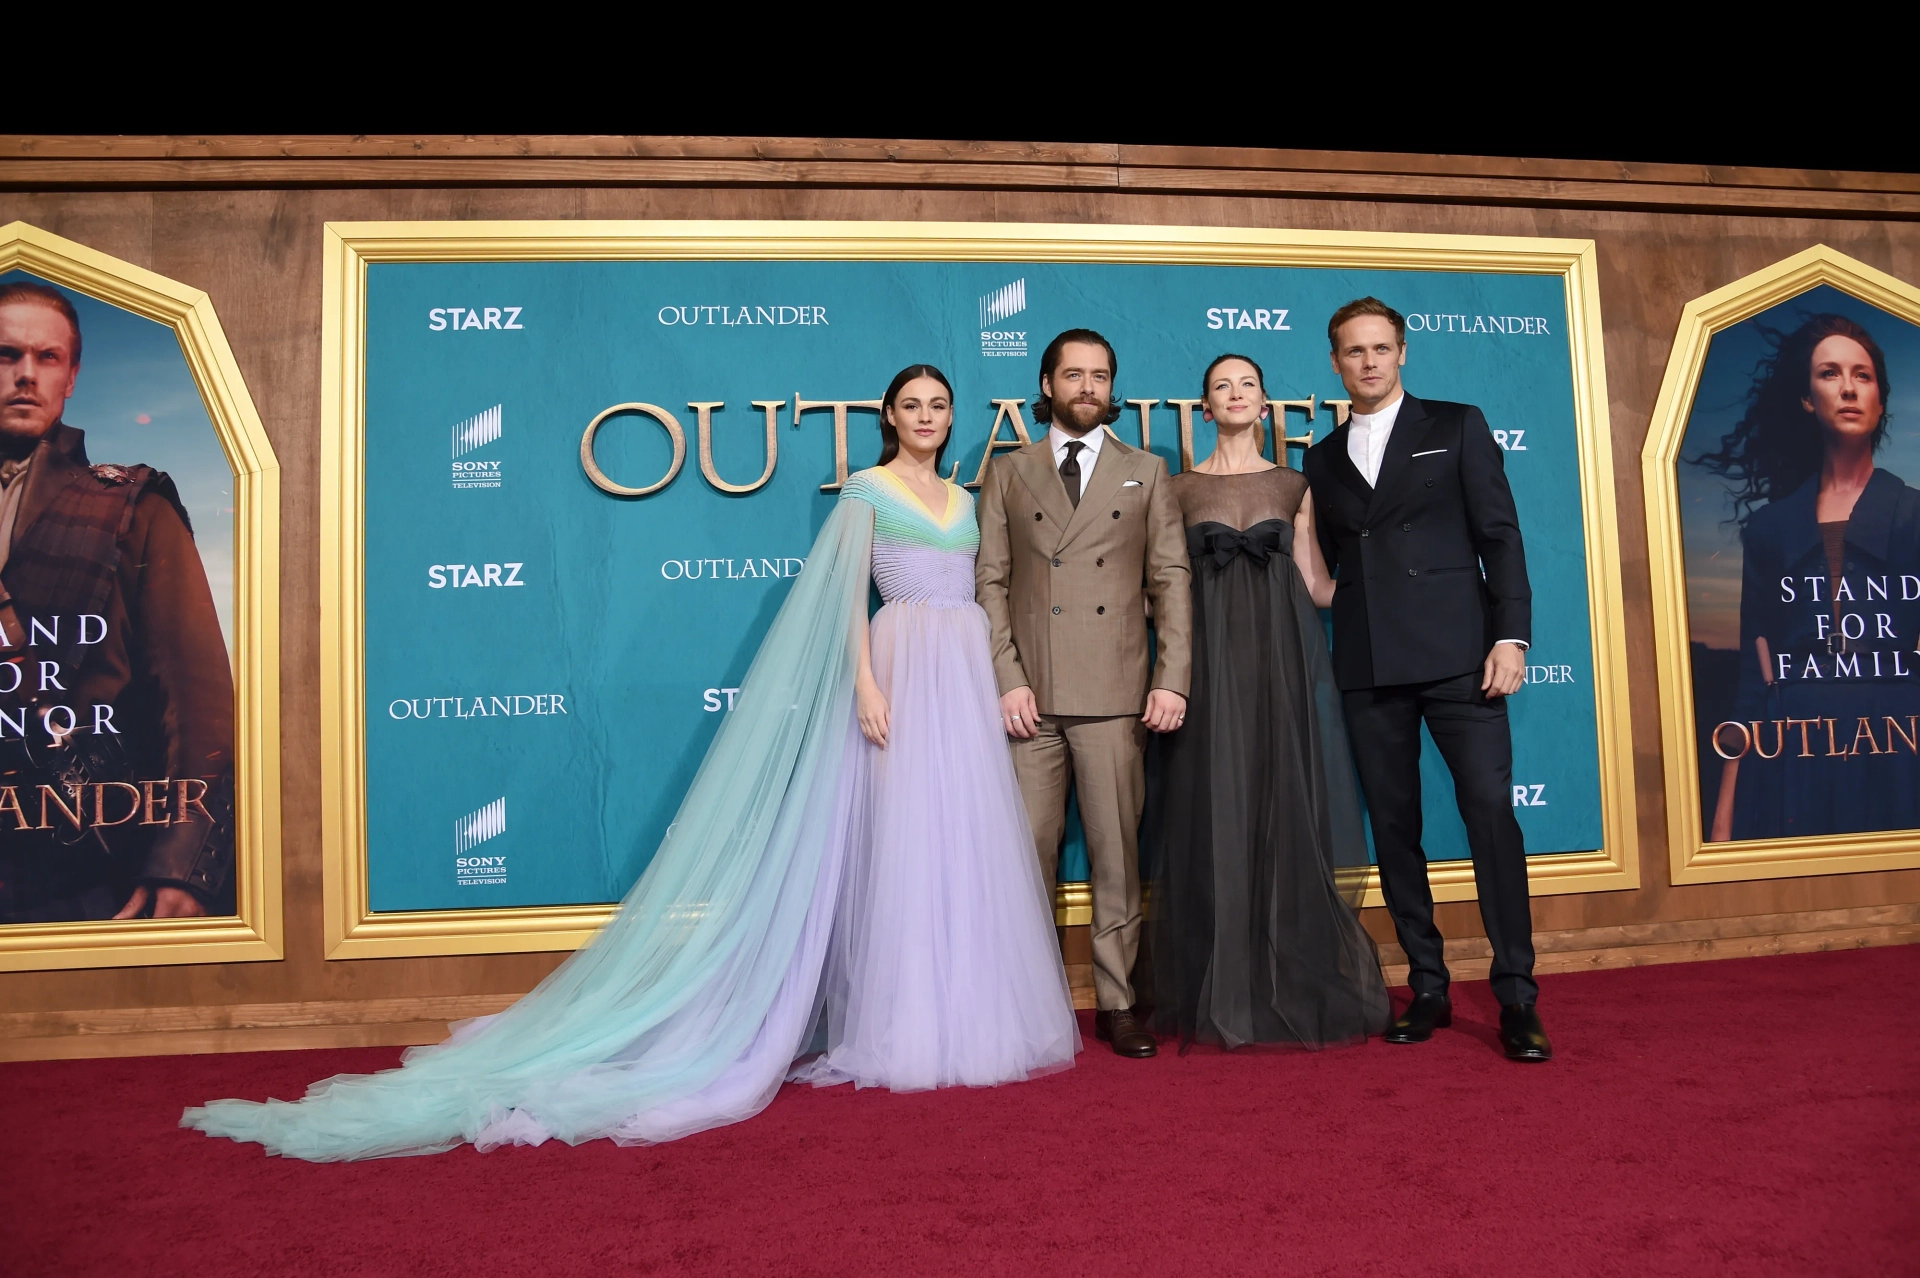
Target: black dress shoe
{"x":1522,"y":1035}
{"x":1124,"y":1031}
{"x":1427,"y":1013}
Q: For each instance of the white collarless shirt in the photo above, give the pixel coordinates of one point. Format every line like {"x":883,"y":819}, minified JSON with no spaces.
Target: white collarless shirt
{"x":1058,"y":439}
{"x":1367,"y":436}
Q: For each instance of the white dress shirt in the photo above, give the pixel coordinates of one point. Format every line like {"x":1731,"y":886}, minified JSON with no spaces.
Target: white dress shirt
{"x":1058,"y":440}
{"x":1367,"y":436}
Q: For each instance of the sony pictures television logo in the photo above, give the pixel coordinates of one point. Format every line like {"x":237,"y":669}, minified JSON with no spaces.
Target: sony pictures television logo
{"x":471,"y":831}
{"x":470,"y":436}
{"x":996,"y":308}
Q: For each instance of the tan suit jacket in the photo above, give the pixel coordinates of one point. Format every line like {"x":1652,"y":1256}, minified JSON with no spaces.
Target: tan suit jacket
{"x":1065,"y":588}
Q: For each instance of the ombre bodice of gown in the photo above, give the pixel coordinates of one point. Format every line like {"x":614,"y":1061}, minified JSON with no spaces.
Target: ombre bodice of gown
{"x":919,"y":556}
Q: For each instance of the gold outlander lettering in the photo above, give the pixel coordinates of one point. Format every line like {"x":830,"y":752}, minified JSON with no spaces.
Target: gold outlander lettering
{"x":1146,"y":426}
{"x":150,"y":800}
{"x":1746,"y":739}
{"x":1910,"y":734}
{"x":598,"y":477}
{"x":1186,"y":407}
{"x":839,"y":407}
{"x":10,"y":802}
{"x":1009,"y":411}
{"x":704,"y":416}
{"x":1779,"y":737}
{"x":1280,"y":407}
{"x":100,"y":802}
{"x":1806,"y":747}
{"x":75,"y":815}
{"x":1873,"y":746}
{"x":185,"y":797}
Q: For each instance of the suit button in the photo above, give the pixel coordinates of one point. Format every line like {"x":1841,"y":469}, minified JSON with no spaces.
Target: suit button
{"x":1429,"y":483}
{"x":1100,"y":611}
{"x":1037,"y":516}
{"x":1056,"y":563}
{"x":1406,"y":527}
{"x":1411,"y":572}
{"x":1099,"y":563}
{"x":1116,"y":514}
{"x":1056,"y":610}
{"x":1363,"y":532}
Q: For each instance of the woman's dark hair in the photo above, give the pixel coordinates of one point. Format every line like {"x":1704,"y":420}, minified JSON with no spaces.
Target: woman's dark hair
{"x":889,"y":437}
{"x":1777,"y":444}
{"x":1206,"y":378}
{"x":1050,"y":360}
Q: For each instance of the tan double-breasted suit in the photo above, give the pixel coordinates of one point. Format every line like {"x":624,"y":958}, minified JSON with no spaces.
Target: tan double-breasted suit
{"x":1066,"y":591}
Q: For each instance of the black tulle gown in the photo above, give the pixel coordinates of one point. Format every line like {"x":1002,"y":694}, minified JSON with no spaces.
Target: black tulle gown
{"x":1255,"y":808}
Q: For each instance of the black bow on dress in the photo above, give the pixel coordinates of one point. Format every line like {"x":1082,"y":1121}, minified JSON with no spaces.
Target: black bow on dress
{"x":1268,"y":537}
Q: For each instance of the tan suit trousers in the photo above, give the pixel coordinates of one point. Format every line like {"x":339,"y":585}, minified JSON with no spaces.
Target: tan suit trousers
{"x":1105,"y":760}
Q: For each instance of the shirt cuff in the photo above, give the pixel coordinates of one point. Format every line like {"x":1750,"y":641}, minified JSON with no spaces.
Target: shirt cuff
{"x":1521,"y":644}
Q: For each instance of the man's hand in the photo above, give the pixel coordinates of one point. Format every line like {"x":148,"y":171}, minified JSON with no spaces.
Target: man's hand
{"x":1019,"y":714}
{"x":1505,"y":671}
{"x":169,"y":903}
{"x":1165,"y":710}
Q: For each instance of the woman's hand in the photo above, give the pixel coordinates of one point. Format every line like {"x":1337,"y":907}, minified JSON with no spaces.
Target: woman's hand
{"x":871,"y":706}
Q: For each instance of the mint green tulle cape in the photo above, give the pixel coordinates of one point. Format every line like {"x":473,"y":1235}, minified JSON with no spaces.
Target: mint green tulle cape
{"x":677,"y":985}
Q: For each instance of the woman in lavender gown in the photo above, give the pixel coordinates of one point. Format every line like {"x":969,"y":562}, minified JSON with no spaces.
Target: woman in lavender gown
{"x":847,"y":893}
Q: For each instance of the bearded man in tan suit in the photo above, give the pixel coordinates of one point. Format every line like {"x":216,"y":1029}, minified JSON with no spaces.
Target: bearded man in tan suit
{"x":1079,"y":534}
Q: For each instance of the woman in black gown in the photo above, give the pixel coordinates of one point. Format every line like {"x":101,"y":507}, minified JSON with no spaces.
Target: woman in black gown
{"x":1257,"y":826}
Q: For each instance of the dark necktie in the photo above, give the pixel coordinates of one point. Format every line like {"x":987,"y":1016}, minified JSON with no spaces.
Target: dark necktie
{"x":1070,"y":471}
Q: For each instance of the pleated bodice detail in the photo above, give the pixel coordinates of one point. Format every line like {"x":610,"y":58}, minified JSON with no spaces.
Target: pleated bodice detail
{"x":918,"y":558}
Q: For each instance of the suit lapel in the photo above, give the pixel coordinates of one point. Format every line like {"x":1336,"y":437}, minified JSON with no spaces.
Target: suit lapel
{"x":1034,"y":465}
{"x":1114,"y":468}
{"x":1343,"y":468}
{"x":1409,"y":430}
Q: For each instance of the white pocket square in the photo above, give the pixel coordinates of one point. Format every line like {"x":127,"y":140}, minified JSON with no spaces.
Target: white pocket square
{"x":1430,"y":452}
{"x":1131,"y":483}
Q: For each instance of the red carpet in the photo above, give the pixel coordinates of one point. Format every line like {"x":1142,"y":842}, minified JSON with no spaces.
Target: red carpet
{"x":1753,"y":1117}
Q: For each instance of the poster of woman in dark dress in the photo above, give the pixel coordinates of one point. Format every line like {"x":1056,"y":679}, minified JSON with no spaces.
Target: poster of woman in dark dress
{"x":1810,"y":717}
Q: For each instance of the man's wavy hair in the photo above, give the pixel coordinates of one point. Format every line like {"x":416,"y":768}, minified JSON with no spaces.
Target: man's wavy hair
{"x":1050,"y":360}
{"x":1777,"y":444}
{"x":44,"y":295}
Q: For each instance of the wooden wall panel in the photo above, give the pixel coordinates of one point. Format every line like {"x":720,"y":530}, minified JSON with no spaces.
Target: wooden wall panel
{"x":252,"y":240}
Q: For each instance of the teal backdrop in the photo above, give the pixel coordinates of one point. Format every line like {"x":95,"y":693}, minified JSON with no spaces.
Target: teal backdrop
{"x":546,"y":663}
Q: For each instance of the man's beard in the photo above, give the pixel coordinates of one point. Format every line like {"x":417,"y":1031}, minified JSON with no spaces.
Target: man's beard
{"x":16,"y":445}
{"x":1073,"y":414}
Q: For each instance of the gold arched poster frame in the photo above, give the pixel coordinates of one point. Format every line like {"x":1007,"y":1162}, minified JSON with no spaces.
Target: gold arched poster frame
{"x":255,"y":932}
{"x":1694,"y":860}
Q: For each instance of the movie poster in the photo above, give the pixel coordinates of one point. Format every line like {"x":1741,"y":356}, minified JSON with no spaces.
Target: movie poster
{"x":1802,"y":548}
{"x":116,"y":619}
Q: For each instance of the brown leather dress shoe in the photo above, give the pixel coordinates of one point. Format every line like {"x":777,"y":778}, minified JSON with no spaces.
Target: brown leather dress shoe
{"x":1124,"y":1031}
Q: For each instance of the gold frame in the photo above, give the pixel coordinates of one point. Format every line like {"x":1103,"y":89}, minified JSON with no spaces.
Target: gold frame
{"x":255,"y":934}
{"x":354,"y":931}
{"x":1694,"y":860}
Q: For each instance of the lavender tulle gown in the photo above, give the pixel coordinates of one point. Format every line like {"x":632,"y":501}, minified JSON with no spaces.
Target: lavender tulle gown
{"x":820,"y":909}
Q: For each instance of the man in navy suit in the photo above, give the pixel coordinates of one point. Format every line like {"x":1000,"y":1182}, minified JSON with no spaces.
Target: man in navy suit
{"x":1432,"y":615}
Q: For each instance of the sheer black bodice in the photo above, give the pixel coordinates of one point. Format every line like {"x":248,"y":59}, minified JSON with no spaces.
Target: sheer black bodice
{"x":1255,"y":806}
